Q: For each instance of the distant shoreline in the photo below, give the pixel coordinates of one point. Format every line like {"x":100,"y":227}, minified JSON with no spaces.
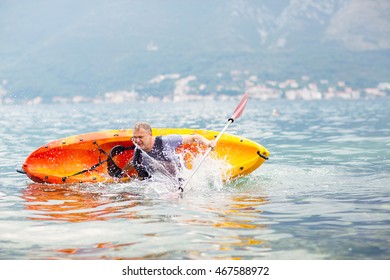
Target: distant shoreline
{"x":184,"y":90}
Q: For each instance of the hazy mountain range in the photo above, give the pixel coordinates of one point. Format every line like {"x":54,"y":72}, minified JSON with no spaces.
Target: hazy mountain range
{"x":66,"y":47}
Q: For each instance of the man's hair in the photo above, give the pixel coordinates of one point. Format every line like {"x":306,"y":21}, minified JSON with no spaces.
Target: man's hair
{"x":143,"y":125}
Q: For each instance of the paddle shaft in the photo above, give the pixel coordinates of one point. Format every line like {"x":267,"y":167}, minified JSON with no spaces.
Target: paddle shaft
{"x":237,"y":113}
{"x":206,"y":154}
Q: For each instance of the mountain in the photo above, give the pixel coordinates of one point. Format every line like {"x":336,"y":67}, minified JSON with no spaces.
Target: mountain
{"x":68,"y":47}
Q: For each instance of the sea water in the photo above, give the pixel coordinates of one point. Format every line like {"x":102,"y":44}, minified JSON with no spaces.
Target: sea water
{"x":323,"y":194}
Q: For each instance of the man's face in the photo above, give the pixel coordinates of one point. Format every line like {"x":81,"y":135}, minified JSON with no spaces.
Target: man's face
{"x":143,"y":139}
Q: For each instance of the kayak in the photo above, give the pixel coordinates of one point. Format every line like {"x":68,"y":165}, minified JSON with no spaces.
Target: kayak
{"x":88,"y":158}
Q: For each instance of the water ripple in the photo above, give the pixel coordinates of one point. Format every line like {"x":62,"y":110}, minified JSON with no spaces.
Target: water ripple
{"x":322,"y":195}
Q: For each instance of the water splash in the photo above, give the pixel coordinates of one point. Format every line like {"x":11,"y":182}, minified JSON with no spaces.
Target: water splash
{"x":212,"y":175}
{"x":168,"y":177}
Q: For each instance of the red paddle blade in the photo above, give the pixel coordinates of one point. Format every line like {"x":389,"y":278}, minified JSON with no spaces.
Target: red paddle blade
{"x":240,"y":107}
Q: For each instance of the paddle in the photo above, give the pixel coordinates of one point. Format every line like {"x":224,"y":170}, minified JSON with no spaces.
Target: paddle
{"x":237,"y":113}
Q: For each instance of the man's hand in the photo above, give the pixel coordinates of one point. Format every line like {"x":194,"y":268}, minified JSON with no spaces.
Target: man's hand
{"x":212,"y":144}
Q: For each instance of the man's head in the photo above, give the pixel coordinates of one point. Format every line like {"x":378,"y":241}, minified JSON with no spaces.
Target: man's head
{"x":142,"y":136}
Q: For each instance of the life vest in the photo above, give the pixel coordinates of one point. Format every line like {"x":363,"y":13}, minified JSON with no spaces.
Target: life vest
{"x":156,"y":153}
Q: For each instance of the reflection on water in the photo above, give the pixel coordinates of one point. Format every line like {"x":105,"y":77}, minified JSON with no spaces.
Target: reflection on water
{"x":243,"y":213}
{"x":99,"y":248}
{"x":237,"y":212}
{"x":72,"y":204}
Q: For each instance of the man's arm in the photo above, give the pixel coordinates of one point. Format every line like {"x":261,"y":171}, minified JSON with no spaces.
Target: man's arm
{"x":129,"y":167}
{"x":196,"y":138}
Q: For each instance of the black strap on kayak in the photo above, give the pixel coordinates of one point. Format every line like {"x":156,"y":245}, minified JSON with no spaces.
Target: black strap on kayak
{"x":112,"y":169}
{"x":262,"y":156}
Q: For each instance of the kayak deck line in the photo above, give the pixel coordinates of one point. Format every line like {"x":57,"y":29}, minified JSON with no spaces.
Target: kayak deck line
{"x":262,"y":156}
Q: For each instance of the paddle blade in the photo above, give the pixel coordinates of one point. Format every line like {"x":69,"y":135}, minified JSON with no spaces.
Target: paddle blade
{"x":240,"y":107}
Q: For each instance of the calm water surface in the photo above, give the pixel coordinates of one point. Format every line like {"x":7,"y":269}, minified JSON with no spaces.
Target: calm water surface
{"x":324,"y":193}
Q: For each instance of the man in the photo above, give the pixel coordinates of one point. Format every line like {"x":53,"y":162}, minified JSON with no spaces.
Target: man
{"x":159,"y":151}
